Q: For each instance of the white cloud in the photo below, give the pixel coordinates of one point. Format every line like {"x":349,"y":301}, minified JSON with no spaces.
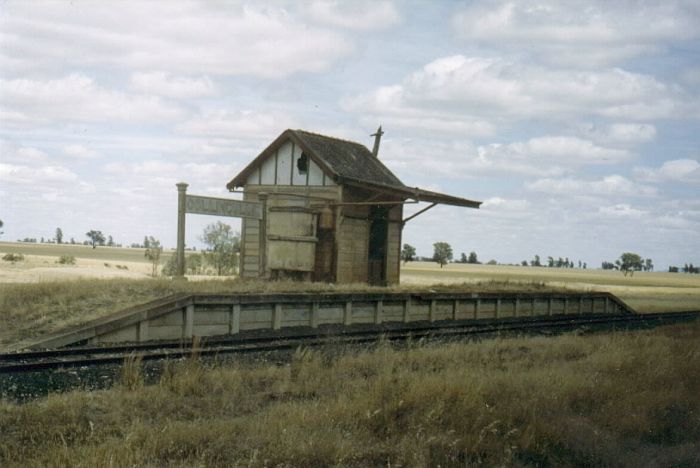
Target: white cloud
{"x":555,"y":152}
{"x":478,"y":89}
{"x":78,"y":98}
{"x":546,"y":156}
{"x":591,"y":34}
{"x":79,"y":152}
{"x":677,"y":170}
{"x":609,"y":185}
{"x":236,"y":124}
{"x":12,"y":153}
{"x":13,"y":174}
{"x":625,"y":134}
{"x":209,"y":37}
{"x":357,"y":14}
{"x":164,"y":84}
{"x":622,"y":210}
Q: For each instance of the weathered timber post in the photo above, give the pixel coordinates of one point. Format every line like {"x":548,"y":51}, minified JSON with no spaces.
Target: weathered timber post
{"x":188,"y":322}
{"x":516,"y":307}
{"x":262,"y":232}
{"x":378,"y":311}
{"x":498,"y":308}
{"x":143,"y":330}
{"x":407,"y":310}
{"x":181,"y":208}
{"x":277,"y":317}
{"x":431,"y":310}
{"x":235,"y":322}
{"x":314,"y":314}
{"x":477,"y":307}
{"x":347,"y":313}
{"x":455,"y":309}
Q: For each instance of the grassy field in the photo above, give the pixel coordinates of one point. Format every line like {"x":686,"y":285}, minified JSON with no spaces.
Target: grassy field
{"x":644,"y":291}
{"x":104,"y":254}
{"x":38,"y":296}
{"x":625,"y":399}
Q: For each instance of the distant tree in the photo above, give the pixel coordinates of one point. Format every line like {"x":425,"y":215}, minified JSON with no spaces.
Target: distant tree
{"x":535,"y":261}
{"x":673,"y":269}
{"x":96,"y":238}
{"x":72,"y":241}
{"x":608,"y":266}
{"x":648,"y":265}
{"x":408,"y":253}
{"x":524,"y":263}
{"x":442,"y":253}
{"x":584,"y":265}
{"x":153,"y":254}
{"x":1,"y":225}
{"x":550,"y":262}
{"x":463,"y":258}
{"x":223,"y":244}
{"x":59,"y":236}
{"x":492,"y":262}
{"x":110,"y":241}
{"x":473,"y":259}
{"x":42,"y":240}
{"x":146,"y":242}
{"x":629,"y":263}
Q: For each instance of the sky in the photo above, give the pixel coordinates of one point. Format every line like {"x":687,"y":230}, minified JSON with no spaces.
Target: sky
{"x":576,"y":123}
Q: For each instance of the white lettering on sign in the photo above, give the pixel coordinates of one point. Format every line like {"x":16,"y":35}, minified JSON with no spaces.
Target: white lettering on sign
{"x":222,"y":207}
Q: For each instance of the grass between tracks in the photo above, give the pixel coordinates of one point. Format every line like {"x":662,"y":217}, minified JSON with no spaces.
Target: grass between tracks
{"x":33,"y":309}
{"x":626,"y":399}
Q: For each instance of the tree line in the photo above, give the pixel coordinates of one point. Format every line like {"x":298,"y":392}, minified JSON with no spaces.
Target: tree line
{"x":627,"y":263}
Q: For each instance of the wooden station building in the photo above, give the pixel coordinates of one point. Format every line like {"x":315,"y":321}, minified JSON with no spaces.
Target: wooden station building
{"x":331,"y":211}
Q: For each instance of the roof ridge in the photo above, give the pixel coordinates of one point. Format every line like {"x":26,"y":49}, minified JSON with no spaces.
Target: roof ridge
{"x":329,"y":137}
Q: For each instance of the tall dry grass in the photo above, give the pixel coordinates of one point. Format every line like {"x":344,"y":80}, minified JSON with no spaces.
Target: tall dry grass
{"x":30,"y":310}
{"x":628,"y":399}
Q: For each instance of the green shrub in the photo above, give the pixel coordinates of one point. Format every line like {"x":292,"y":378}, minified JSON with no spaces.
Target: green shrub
{"x":66,"y":260}
{"x":10,"y":257}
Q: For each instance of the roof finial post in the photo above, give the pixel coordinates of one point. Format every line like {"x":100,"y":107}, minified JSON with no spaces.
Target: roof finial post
{"x":377,"y":138}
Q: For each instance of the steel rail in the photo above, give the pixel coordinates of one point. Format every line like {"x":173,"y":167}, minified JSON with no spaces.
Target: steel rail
{"x":91,"y":356}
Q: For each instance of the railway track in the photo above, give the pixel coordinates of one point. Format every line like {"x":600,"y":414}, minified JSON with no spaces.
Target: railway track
{"x":83,"y":356}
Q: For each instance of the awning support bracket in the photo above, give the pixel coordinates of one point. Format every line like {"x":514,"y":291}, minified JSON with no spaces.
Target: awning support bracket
{"x":418,"y":213}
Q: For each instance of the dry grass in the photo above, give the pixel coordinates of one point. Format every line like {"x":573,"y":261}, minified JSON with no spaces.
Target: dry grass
{"x":33,"y":309}
{"x":645,"y":291}
{"x":628,"y":399}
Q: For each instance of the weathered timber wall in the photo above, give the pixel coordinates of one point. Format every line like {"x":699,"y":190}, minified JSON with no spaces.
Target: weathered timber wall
{"x":209,"y":315}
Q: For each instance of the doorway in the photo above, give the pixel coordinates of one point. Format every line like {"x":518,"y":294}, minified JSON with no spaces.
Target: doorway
{"x":379,"y":228}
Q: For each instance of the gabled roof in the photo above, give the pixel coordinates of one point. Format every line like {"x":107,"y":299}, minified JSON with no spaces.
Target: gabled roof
{"x":336,"y":157}
{"x":348,"y":162}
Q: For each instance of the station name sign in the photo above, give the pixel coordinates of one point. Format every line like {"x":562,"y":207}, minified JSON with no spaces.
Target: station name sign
{"x":222,"y":207}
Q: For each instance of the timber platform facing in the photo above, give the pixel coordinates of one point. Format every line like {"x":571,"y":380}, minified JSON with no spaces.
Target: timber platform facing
{"x":184,"y":316}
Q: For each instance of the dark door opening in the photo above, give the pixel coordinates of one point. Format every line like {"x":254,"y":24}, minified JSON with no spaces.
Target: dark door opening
{"x":378,"y":230}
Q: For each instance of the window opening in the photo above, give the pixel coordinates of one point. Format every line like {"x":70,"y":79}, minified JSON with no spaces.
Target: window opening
{"x":303,"y":163}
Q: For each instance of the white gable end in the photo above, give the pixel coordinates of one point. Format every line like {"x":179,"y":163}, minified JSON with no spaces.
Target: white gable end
{"x":289,"y":166}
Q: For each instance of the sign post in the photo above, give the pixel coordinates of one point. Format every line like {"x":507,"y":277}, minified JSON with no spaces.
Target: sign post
{"x":196,"y":204}
{"x":181,"y":206}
